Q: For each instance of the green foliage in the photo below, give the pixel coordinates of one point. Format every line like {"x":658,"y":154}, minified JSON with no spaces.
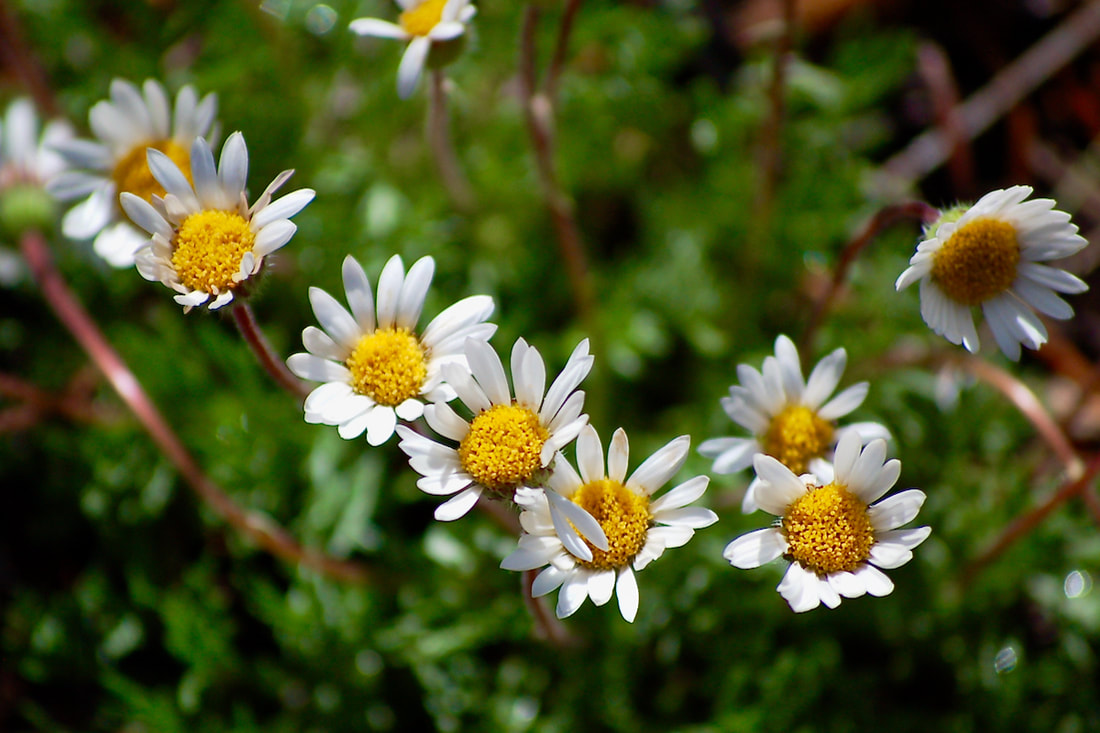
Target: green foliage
{"x":126,"y":604}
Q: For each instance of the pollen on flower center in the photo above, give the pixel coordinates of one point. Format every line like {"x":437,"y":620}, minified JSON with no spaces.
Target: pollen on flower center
{"x":624,"y":517}
{"x":504,"y":447}
{"x":132,"y":172}
{"x":796,"y":435}
{"x":828,"y":530}
{"x":977,"y":262}
{"x":419,"y":20}
{"x":208,"y":249}
{"x":388,"y":366}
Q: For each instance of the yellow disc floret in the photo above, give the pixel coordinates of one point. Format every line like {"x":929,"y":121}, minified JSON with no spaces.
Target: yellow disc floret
{"x":420,"y":19}
{"x":208,"y":250}
{"x":797,"y":435}
{"x":132,"y":172}
{"x":624,"y":517}
{"x":828,"y":530}
{"x":504,"y":447}
{"x":977,"y":262}
{"x":388,"y":366}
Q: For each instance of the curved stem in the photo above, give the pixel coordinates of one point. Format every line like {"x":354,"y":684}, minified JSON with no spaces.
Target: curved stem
{"x":1020,"y":395}
{"x":260,"y":529}
{"x":272,"y":364}
{"x":1026,"y":522}
{"x":539,"y":113}
{"x":885,"y":217}
{"x":557,"y":61}
{"x":446,"y":161}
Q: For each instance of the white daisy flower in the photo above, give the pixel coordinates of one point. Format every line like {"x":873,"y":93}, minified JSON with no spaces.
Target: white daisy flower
{"x":631,"y":529}
{"x":788,"y":417}
{"x":125,"y":126}
{"x":987,"y":255}
{"x":422,"y":24}
{"x":510,"y":440}
{"x":206,"y":240}
{"x":834,"y":536}
{"x":27,"y":162}
{"x":375,"y":366}
{"x":26,"y":157}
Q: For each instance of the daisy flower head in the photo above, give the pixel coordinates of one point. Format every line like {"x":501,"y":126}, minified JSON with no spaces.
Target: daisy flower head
{"x":592,"y":531}
{"x":206,"y":240}
{"x":375,"y":365}
{"x":790,"y":418}
{"x":27,"y":162}
{"x":426,"y":25}
{"x":131,"y":121}
{"x":835,"y":536}
{"x":509,"y":441}
{"x":987,"y":255}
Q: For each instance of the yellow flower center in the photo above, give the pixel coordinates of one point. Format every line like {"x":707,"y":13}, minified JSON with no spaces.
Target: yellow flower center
{"x":624,"y":517}
{"x":132,"y":172}
{"x":796,"y":436}
{"x":978,"y":262}
{"x":389,"y":366}
{"x":209,"y":247}
{"x":828,"y":530}
{"x":503,"y":448}
{"x":420,"y":19}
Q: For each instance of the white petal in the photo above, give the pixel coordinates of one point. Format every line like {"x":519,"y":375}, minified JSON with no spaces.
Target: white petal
{"x":617,"y":456}
{"x":601,"y":586}
{"x":382,"y":422}
{"x":359,"y":295}
{"x":682,"y":495}
{"x":273,"y":236}
{"x":627,"y":590}
{"x":233,"y":166}
{"x":824,"y":378}
{"x":318,"y":343}
{"x":445,"y":421}
{"x":378,"y":29}
{"x":589,"y":455}
{"x":564,"y":509}
{"x":755,"y":548}
{"x":896,"y":510}
{"x":730,"y":454}
{"x":547,"y":581}
{"x":283,"y":208}
{"x":87,"y":218}
{"x":660,"y":467}
{"x":572,"y":594}
{"x":528,"y":375}
{"x":778,"y":487}
{"x":413,"y":292}
{"x":336,"y":321}
{"x":412,"y":64}
{"x":316,"y":369}
{"x":799,"y":588}
{"x":489,"y":371}
{"x":458,"y":506}
{"x":876,"y":581}
{"x":845,"y":402}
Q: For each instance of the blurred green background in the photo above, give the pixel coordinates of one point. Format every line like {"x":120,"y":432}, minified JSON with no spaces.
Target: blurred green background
{"x":126,"y":605}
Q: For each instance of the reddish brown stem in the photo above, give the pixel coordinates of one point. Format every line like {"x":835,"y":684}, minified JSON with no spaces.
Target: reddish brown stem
{"x":260,"y":529}
{"x":439,"y":137}
{"x":539,"y":113}
{"x":557,"y":61}
{"x":269,"y":360}
{"x":1024,"y":523}
{"x":885,"y":217}
{"x":1020,"y":395}
{"x":16,"y":54}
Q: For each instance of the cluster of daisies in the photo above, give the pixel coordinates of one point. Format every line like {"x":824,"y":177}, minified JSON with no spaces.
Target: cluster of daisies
{"x":150,"y":195}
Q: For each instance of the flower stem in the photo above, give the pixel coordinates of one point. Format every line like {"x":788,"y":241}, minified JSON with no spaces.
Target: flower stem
{"x":885,"y":217}
{"x":538,"y":110}
{"x":272,"y":364}
{"x":454,"y":180}
{"x":260,"y":529}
